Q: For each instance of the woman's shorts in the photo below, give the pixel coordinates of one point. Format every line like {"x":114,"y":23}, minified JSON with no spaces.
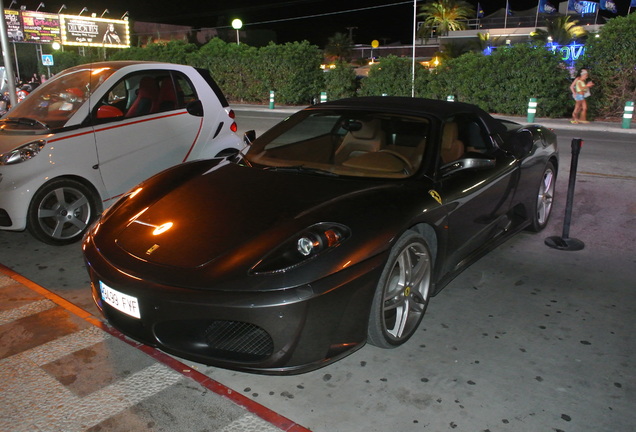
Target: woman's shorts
{"x":579,"y":97}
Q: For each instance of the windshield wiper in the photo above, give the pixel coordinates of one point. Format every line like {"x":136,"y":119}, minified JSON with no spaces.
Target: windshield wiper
{"x":301,"y":169}
{"x":26,"y":121}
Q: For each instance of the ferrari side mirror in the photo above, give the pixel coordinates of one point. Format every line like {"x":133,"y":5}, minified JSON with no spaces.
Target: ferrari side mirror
{"x":249,"y":136}
{"x":474,"y":163}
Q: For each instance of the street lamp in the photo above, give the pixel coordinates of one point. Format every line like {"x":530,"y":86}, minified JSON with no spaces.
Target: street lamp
{"x":39,"y":6}
{"x":61,"y":9}
{"x":237,"y":24}
{"x":83,"y":10}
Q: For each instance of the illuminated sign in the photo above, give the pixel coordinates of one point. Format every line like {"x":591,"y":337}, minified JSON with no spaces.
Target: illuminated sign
{"x":97,"y":32}
{"x":40,"y":27}
{"x":569,"y":53}
{"x":14,"y":25}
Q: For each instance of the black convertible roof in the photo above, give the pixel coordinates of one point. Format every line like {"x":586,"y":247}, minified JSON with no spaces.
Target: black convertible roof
{"x":439,"y":109}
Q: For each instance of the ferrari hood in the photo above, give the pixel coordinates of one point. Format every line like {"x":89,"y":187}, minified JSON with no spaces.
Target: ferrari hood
{"x":232,"y":207}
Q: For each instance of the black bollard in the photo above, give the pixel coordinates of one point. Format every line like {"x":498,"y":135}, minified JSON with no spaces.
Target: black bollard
{"x":565,"y":242}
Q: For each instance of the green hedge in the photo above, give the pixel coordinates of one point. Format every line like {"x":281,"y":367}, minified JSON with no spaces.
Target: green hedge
{"x":502,"y":82}
{"x":611,"y":60}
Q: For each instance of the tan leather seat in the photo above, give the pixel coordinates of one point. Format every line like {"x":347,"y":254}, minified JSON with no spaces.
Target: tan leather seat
{"x":368,"y":139}
{"x":452,"y":147}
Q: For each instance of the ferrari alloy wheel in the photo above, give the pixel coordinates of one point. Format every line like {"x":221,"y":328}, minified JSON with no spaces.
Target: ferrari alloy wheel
{"x":61,"y":212}
{"x":545,"y":198}
{"x":402,"y":294}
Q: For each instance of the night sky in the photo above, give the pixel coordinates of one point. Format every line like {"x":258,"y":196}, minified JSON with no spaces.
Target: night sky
{"x":388,"y":21}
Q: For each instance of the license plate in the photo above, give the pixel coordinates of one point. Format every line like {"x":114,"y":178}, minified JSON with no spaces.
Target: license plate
{"x":120,"y":301}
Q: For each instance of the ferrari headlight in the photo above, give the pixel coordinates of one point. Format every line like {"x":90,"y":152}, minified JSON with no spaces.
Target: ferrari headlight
{"x":22,"y":153}
{"x":304,"y":246}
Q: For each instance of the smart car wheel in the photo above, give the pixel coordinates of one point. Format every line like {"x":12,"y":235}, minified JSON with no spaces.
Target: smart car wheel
{"x":545,"y":197}
{"x":402,"y":293}
{"x":61,"y":211}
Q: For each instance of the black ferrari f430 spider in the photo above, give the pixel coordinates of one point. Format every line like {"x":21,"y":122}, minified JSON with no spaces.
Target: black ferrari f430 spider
{"x":334,"y":228}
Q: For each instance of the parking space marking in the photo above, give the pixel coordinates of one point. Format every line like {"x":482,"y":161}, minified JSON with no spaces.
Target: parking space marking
{"x":249,"y":423}
{"x":63,"y":346}
{"x":35,"y":400}
{"x":25,"y":311}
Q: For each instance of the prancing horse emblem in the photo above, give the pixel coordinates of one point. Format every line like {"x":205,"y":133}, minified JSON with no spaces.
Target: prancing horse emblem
{"x":435,"y":195}
{"x":152,"y":249}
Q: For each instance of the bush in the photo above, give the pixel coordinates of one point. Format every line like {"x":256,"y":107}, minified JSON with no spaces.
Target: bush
{"x":341,"y":81}
{"x":393,"y":76}
{"x":611,"y":58}
{"x":234,"y":68}
{"x":505,"y":81}
{"x":292,"y":70}
{"x":175,"y":51}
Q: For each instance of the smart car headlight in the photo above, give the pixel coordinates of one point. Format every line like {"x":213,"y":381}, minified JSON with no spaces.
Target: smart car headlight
{"x":303,"y":247}
{"x":22,"y":153}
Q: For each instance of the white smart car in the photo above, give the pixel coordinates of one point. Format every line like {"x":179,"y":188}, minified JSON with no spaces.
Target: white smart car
{"x":87,"y":136}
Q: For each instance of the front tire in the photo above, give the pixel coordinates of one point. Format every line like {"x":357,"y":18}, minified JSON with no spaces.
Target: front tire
{"x":544,"y":198}
{"x":402,"y":294}
{"x":61,"y":212}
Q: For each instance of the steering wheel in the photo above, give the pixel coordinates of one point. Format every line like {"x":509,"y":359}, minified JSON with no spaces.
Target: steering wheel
{"x":400,"y":156}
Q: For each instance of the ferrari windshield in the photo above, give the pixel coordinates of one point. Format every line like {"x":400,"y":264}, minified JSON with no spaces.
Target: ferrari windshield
{"x":344,"y":142}
{"x":53,"y":103}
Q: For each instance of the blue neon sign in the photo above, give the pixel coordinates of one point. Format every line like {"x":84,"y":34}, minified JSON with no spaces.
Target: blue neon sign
{"x":569,"y":53}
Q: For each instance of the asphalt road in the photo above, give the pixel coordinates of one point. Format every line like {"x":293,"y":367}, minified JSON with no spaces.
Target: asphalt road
{"x":528,"y":338}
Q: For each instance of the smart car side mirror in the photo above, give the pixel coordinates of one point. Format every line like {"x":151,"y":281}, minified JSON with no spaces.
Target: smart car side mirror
{"x":108,"y":112}
{"x":195,"y":108}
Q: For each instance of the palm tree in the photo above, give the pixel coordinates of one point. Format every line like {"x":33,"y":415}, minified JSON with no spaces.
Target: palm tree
{"x":338,"y":47}
{"x":561,"y":30}
{"x":444,"y":16}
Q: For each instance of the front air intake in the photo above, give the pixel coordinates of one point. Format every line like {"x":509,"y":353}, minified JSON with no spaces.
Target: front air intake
{"x":238,"y":340}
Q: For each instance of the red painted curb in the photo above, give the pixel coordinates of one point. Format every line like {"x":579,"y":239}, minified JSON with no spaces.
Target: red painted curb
{"x":253,"y":407}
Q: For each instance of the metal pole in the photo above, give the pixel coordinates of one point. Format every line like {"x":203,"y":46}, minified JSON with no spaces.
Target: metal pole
{"x":414,"y":34}
{"x":565,"y":242}
{"x":6,"y":55}
{"x":506,"y":15}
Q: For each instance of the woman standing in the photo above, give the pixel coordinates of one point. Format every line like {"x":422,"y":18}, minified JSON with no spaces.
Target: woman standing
{"x":580,"y":89}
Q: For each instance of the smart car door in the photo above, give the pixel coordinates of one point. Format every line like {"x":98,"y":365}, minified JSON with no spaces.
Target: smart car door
{"x":476,"y":182}
{"x":142,"y":127}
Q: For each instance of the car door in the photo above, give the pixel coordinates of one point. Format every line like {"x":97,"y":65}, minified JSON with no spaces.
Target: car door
{"x":146,"y":127}
{"x":478,"y":199}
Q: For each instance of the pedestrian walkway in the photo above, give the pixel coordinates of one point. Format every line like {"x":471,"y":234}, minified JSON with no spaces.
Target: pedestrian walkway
{"x":62,"y":369}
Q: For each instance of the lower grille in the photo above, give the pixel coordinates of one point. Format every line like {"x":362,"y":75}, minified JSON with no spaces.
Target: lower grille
{"x":239,"y":339}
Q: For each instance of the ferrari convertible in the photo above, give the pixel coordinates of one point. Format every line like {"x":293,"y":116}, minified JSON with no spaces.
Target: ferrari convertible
{"x":334,"y":228}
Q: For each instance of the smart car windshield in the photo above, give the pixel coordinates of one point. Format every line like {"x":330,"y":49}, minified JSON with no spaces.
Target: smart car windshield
{"x":344,"y":142}
{"x":53,"y":103}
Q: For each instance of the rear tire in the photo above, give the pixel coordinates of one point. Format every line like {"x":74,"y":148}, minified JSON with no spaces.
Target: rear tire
{"x":61,"y":212}
{"x":403,"y":292}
